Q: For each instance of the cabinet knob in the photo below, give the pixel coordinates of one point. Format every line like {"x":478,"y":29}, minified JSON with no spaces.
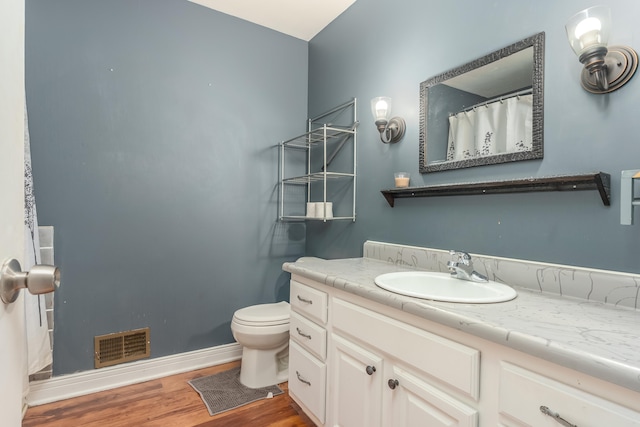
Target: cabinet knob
{"x":370,"y":369}
{"x":393,"y":383}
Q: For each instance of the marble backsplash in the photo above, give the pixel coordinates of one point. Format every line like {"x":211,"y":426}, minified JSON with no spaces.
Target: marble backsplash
{"x":609,"y":287}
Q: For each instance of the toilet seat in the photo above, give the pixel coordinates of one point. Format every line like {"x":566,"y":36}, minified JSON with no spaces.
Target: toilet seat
{"x":263,"y":315}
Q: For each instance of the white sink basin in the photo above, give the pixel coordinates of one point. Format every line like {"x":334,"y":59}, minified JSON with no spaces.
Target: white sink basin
{"x":442,"y":287}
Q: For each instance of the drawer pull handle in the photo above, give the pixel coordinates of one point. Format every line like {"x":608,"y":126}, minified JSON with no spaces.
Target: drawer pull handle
{"x":303,"y":334}
{"x":545,"y":410}
{"x":304,"y":300}
{"x":393,"y":383}
{"x":302,"y":380}
{"x":371,"y":369}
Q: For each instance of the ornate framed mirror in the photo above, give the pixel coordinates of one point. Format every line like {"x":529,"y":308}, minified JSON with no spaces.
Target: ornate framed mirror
{"x":488,"y":111}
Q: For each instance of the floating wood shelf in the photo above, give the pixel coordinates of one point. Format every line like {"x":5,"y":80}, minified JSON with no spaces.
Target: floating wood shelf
{"x":593,"y":181}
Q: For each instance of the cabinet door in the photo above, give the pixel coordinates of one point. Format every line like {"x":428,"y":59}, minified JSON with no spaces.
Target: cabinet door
{"x":356,"y":386}
{"x":410,"y":401}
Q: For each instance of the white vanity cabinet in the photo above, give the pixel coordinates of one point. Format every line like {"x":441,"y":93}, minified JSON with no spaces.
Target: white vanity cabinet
{"x":377,"y":366}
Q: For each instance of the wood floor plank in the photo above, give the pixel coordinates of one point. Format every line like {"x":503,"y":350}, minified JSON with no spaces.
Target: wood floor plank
{"x":165,"y":402}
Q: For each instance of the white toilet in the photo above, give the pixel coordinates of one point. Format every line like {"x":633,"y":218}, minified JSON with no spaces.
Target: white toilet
{"x":263,"y":332}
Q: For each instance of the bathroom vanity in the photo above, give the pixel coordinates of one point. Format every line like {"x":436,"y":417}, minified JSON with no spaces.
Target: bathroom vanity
{"x":362,"y":356}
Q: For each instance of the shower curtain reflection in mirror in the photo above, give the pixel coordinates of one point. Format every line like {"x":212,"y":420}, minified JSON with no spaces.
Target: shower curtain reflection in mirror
{"x":502,"y":126}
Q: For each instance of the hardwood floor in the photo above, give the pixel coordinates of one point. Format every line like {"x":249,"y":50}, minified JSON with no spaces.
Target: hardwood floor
{"x":165,"y":402}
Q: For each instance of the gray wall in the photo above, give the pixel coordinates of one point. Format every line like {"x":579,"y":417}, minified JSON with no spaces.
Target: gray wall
{"x":443,"y":101}
{"x":152,"y":129}
{"x":387,"y":47}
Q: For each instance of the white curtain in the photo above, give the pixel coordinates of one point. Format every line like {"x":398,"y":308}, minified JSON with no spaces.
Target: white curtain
{"x":502,"y":126}
{"x":519,"y":123}
{"x":38,"y":343}
{"x":461,"y":137}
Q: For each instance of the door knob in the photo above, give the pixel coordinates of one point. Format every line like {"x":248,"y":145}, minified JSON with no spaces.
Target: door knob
{"x":41,"y":279}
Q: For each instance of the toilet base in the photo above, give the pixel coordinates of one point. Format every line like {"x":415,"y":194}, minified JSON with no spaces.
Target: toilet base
{"x":262,"y":368}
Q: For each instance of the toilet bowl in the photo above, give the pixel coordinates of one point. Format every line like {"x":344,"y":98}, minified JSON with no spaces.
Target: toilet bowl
{"x":263,"y":332}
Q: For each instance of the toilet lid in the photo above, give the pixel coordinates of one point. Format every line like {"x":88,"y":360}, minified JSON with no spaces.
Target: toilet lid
{"x":264,"y":314}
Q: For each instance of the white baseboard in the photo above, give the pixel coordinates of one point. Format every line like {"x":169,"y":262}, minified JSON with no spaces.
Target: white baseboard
{"x":87,"y":382}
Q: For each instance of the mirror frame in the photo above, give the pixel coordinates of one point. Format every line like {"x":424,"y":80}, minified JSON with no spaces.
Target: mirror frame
{"x":537,"y":42}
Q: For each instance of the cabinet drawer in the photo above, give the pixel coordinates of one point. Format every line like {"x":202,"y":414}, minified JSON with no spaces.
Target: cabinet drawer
{"x":312,"y":303}
{"x":523,"y":392}
{"x":311,"y":336}
{"x":307,"y":380}
{"x":454,"y":364}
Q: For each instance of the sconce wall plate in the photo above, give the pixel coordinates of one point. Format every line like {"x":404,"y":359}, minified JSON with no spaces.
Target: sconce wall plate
{"x":392,"y":131}
{"x":621,"y":63}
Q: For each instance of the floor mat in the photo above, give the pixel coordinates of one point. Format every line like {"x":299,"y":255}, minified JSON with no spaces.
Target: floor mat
{"x":224,"y":391}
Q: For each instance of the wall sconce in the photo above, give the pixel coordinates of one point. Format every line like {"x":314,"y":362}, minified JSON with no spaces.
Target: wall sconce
{"x":605,"y":69}
{"x":391,"y":131}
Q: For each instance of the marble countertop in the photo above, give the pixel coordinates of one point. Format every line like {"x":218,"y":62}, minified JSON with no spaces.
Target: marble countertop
{"x":591,"y":337}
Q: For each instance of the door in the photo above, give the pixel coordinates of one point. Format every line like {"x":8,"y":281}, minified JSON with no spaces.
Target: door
{"x":409,"y":401}
{"x":356,"y":386}
{"x":12,"y":99}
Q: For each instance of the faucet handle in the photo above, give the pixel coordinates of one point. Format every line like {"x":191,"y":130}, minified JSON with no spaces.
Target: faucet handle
{"x":461,"y":256}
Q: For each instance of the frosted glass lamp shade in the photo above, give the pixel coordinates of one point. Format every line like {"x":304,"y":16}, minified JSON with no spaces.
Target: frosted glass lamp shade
{"x":381,"y":108}
{"x":589,"y":29}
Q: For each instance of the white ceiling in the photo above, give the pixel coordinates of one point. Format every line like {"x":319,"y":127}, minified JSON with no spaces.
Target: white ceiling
{"x":302,"y":19}
{"x":506,"y":75}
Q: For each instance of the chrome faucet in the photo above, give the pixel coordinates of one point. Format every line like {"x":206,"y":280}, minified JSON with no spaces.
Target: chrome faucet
{"x":462,"y":268}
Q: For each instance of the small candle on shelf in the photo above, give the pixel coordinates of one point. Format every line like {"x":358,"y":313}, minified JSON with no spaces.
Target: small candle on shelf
{"x":402,"y":179}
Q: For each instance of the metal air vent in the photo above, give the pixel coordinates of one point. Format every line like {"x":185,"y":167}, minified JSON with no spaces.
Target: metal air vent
{"x":120,"y":347}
